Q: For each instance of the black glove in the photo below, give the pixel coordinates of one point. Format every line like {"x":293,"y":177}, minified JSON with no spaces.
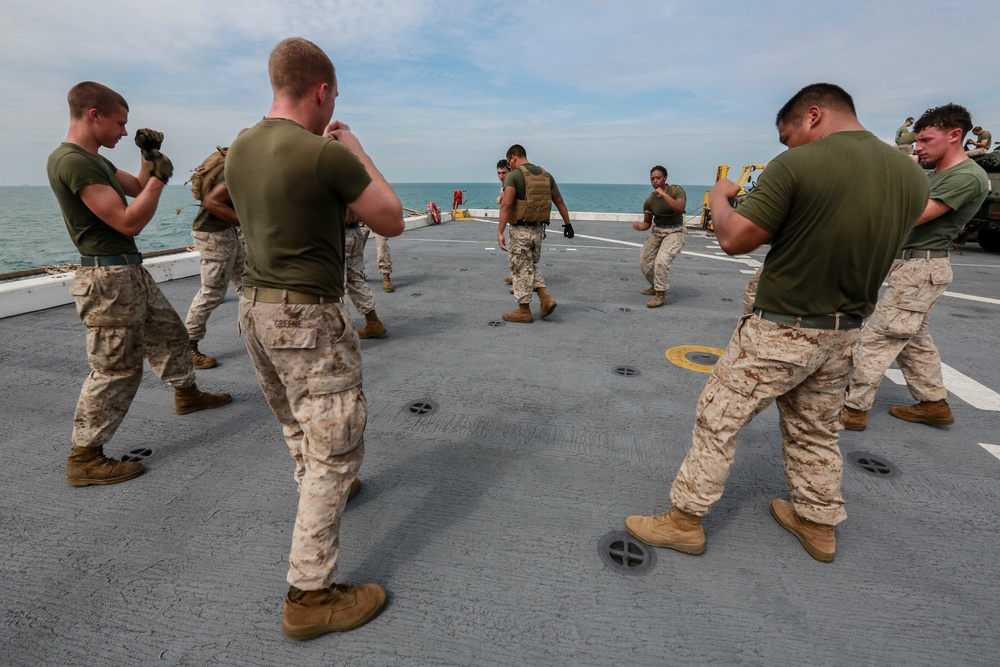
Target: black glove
{"x":158,"y":165}
{"x":148,"y":140}
{"x":568,"y":231}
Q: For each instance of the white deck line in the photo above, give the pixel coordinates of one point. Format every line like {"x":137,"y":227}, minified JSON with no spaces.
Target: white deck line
{"x":992,"y":449}
{"x":961,"y":385}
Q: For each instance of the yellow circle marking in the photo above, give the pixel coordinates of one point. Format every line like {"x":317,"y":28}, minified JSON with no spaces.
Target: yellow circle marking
{"x":678,"y":356}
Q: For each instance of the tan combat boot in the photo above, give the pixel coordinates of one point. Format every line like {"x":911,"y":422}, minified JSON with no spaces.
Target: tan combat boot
{"x":657,"y":299}
{"x":191,"y":399}
{"x":355,"y":488}
{"x":387,"y":283}
{"x":854,"y":420}
{"x":925,"y":412}
{"x":339,"y":608}
{"x":199,"y":360}
{"x":817,"y":538}
{"x":521,"y":315}
{"x":649,"y":291}
{"x":548,"y":303}
{"x":673,"y":529}
{"x":88,"y":465}
{"x":373,"y":326}
{"x":509,"y":280}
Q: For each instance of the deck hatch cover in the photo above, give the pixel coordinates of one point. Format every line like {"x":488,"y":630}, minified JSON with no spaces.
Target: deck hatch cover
{"x":137,"y":454}
{"x":626,"y":371}
{"x":422,"y":407}
{"x":623,"y":553}
{"x":874,"y":464}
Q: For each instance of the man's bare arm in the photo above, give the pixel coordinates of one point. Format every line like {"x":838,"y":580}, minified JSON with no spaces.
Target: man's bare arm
{"x":935,"y":209}
{"x":378,"y":204}
{"x":130,"y":219}
{"x":561,"y":206}
{"x":736,"y":234}
{"x":220,"y":204}
{"x":506,"y":211}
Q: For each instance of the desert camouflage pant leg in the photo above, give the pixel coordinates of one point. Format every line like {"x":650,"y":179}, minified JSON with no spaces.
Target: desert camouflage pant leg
{"x":750,"y":293}
{"x":524,"y":248}
{"x":222,"y":257}
{"x":383,"y":255}
{"x":898,"y":330}
{"x":308,"y":363}
{"x":659,"y":250}
{"x":354,"y":272}
{"x":127,"y":319}
{"x":805,"y":372}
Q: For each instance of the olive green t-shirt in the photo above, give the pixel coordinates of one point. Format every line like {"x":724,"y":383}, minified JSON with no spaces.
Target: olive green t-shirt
{"x":838,"y":209}
{"x":904,"y":136}
{"x":291,"y":189}
{"x":515,"y":179}
{"x":962,"y":188}
{"x":663,"y":215}
{"x":70,"y":169}
{"x":205,"y":221}
{"x":986,"y":136}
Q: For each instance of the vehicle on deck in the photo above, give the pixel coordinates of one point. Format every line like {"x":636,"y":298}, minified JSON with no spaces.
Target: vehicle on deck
{"x":984,"y":227}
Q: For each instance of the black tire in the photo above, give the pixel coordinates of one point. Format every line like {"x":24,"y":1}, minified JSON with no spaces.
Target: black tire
{"x":989,"y":239}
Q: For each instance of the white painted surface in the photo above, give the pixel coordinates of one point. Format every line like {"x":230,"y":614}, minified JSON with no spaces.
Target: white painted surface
{"x":992,"y":449}
{"x":967,"y":389}
{"x":31,"y":294}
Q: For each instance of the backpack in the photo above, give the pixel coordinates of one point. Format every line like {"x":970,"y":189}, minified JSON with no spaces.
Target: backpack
{"x":203,"y":177}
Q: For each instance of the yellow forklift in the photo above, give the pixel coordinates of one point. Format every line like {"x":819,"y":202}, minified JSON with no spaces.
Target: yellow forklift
{"x":745,"y":183}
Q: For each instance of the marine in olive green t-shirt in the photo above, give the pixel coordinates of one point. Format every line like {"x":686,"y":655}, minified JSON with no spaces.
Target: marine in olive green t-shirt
{"x":206,"y":221}
{"x":663,"y":215}
{"x":962,"y":188}
{"x":70,"y":169}
{"x":291,"y":188}
{"x":838,"y":210}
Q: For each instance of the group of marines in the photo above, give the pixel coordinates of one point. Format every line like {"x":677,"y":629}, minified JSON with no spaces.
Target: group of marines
{"x":840,"y":209}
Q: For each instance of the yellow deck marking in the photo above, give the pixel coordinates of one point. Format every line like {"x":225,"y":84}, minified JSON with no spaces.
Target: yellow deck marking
{"x":678,"y":356}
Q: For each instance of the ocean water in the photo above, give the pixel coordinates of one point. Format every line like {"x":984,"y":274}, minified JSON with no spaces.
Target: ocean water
{"x":32,"y":232}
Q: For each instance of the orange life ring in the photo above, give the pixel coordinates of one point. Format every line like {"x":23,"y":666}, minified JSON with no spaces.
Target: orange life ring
{"x":456,"y":199}
{"x":433,"y":213}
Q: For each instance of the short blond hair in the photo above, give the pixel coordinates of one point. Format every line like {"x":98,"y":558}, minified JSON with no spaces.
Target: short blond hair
{"x":88,"y":95}
{"x":297,"y":65}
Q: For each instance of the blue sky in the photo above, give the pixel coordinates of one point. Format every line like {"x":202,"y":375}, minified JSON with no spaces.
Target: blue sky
{"x":597,"y":92}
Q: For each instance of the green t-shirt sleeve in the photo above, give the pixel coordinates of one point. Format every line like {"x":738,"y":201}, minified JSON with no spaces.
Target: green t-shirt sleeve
{"x":677,"y":192}
{"x":769,"y":204}
{"x":77,"y":172}
{"x":647,"y":206}
{"x":342,"y":171}
{"x":988,"y":138}
{"x":515,"y":179}
{"x":954,"y":189}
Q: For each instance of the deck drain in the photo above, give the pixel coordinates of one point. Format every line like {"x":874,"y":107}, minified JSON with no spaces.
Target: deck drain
{"x":495,"y":323}
{"x":694,"y":357}
{"x":726,"y":299}
{"x":624,"y":280}
{"x":463,"y":269}
{"x":704,"y":358}
{"x":416,"y":294}
{"x":624,"y":310}
{"x":626,"y":371}
{"x":873,"y":464}
{"x":423,"y":407}
{"x":623,"y":553}
{"x":137,"y":454}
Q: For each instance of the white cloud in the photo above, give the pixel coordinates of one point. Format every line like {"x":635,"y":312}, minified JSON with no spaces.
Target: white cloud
{"x":437,"y":90}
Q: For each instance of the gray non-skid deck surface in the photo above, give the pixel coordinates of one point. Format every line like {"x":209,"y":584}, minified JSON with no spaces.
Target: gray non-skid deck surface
{"x":482,"y":519}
